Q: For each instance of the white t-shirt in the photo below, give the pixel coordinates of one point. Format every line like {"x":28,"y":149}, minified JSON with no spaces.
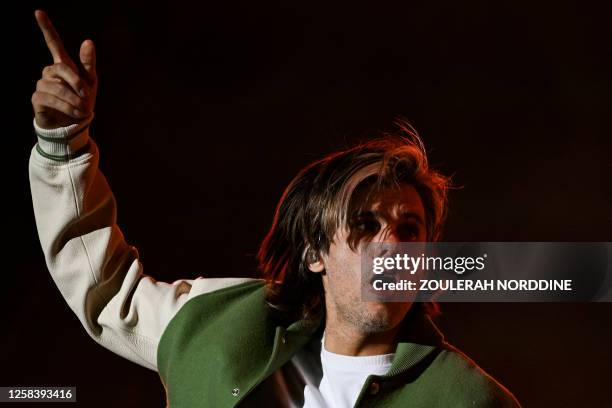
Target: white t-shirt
{"x":343,"y":378}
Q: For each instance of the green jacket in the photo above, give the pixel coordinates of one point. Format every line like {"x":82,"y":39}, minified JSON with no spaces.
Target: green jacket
{"x":221,"y":347}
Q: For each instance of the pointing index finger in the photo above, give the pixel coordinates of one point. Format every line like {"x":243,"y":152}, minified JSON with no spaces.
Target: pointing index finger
{"x":54,"y":43}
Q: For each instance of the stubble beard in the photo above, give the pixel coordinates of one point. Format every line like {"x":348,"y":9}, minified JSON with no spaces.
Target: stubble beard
{"x":356,"y":314}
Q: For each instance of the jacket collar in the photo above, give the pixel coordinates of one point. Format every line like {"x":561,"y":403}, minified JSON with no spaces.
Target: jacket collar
{"x":417,"y":338}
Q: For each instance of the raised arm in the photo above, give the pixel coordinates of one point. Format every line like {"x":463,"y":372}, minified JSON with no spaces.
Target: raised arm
{"x":98,"y":273}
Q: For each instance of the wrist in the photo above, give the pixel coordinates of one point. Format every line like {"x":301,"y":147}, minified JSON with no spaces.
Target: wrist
{"x":63,"y":143}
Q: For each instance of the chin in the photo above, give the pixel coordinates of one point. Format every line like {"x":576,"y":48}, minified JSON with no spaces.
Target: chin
{"x":382,"y":316}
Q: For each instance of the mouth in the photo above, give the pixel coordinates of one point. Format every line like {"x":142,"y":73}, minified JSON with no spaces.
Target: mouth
{"x":389,"y":276}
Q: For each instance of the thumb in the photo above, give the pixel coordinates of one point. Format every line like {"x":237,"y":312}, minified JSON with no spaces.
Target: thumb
{"x":87,"y":56}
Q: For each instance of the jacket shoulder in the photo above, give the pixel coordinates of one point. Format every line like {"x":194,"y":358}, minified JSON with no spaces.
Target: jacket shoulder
{"x":222,"y":303}
{"x":212,"y":317}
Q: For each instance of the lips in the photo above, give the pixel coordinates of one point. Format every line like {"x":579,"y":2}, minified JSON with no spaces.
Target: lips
{"x":389,"y":276}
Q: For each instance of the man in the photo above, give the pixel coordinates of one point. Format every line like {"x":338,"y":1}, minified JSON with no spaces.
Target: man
{"x":299,"y":337}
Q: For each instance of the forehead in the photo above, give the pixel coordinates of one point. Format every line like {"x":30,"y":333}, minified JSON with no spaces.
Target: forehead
{"x":393,"y":201}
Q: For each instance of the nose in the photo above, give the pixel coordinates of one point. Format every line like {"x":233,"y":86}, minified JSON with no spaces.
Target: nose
{"x":388,"y":233}
{"x":388,"y":239}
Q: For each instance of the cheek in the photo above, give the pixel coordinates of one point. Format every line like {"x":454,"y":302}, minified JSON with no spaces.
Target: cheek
{"x":343,"y":268}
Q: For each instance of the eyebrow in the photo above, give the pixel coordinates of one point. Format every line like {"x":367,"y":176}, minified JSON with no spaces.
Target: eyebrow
{"x":403,"y":215}
{"x":412,"y":215}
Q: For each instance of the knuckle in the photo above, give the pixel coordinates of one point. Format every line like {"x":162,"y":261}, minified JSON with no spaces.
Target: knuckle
{"x":75,"y":100}
{"x":54,"y":102}
{"x":61,"y":93}
{"x":60,"y":89}
{"x":38,"y":99}
{"x":49,"y":87}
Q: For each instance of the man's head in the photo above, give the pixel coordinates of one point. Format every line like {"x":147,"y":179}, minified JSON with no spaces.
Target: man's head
{"x":379,"y":191}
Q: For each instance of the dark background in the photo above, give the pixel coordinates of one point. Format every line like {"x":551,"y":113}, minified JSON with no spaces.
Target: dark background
{"x":207,"y":110}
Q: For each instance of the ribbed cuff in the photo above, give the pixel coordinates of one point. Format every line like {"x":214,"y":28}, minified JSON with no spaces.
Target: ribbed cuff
{"x":64,"y":143}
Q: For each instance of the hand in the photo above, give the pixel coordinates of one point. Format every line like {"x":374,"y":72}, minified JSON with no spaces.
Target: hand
{"x":66,"y":93}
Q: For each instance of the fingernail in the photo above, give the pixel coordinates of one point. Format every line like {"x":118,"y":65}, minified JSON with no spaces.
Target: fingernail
{"x":77,"y":112}
{"x":82,"y":92}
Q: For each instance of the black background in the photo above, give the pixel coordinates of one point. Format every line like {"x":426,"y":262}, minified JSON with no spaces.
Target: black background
{"x":207,"y":110}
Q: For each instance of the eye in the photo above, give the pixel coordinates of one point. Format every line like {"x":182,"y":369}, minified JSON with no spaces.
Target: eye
{"x":407,"y":232}
{"x":367,"y":225}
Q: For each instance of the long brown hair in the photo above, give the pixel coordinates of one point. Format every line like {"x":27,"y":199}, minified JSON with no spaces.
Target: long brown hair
{"x":317,"y":202}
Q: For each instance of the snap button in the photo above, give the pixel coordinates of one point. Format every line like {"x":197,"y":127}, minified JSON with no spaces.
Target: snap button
{"x":374,"y":388}
{"x":236,"y":391}
{"x":284,"y":339}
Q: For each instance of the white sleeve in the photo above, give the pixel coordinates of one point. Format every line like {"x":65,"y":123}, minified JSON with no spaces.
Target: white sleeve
{"x":98,"y":273}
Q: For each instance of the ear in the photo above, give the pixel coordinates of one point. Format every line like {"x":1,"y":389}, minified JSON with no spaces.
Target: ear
{"x":314,"y":261}
{"x":316,"y":267}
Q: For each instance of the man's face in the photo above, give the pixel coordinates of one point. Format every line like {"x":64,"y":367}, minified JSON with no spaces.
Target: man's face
{"x":394,"y":215}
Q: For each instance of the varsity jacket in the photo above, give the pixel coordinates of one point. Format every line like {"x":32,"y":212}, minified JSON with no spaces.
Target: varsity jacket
{"x":213,"y":341}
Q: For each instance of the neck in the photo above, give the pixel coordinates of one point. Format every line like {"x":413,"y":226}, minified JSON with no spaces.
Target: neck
{"x":342,"y":339}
